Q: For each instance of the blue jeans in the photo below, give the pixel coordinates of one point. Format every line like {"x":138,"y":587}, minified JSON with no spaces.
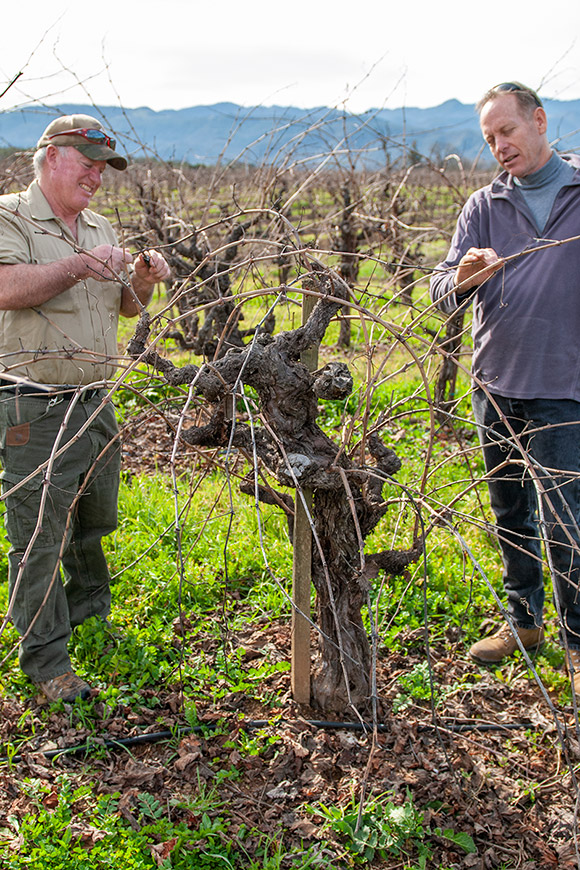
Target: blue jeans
{"x":549,"y":433}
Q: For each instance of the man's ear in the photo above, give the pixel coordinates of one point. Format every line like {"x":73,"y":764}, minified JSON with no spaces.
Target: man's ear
{"x":51,"y":155}
{"x":541,"y":120}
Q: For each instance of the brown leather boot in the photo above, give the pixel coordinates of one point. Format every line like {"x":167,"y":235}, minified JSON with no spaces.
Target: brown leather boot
{"x":573,"y":664}
{"x":66,"y":687}
{"x":503,"y":643}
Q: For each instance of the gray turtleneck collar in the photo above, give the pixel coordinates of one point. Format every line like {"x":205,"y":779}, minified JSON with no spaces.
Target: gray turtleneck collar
{"x":541,"y":188}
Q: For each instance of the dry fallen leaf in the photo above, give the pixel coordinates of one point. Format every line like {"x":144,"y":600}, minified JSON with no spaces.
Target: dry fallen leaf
{"x":161,"y":851}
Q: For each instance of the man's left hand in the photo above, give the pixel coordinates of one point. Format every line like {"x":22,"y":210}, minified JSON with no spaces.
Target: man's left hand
{"x":151,"y":267}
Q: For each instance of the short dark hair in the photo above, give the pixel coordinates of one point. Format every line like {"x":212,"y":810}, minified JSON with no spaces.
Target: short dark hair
{"x":528,"y":100}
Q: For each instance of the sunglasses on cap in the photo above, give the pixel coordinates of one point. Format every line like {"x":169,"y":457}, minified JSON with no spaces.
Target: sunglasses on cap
{"x":95,"y":137}
{"x":516,"y":87}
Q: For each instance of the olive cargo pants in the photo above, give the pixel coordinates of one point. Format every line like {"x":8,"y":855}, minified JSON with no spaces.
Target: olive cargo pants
{"x":65,"y":509}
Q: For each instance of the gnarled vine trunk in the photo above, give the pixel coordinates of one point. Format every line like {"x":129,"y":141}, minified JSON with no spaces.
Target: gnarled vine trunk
{"x":295,"y":451}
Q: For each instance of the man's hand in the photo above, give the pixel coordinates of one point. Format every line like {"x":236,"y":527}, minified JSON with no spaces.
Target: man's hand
{"x":105,"y":262}
{"x":25,"y":285}
{"x":475,"y":267}
{"x":150,"y":269}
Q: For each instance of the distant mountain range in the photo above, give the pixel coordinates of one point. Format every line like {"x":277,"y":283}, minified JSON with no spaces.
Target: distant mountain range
{"x":276,"y":134}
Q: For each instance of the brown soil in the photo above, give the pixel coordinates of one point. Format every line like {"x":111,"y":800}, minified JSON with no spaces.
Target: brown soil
{"x":510,"y":788}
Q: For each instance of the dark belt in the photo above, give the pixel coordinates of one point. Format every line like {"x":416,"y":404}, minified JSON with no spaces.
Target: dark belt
{"x":55,"y":394}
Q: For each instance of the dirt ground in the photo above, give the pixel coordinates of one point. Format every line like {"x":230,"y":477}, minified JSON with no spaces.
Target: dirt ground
{"x":509,"y":788}
{"x":492,"y":764}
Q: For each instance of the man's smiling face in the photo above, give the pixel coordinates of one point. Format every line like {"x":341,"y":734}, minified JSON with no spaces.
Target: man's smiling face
{"x":516,"y":139}
{"x":73,"y":180}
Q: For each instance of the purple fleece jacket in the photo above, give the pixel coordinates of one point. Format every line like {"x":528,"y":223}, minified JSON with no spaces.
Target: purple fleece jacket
{"x":526,"y":318}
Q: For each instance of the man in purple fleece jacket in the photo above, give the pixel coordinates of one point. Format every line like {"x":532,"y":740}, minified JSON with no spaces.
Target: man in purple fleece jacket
{"x":526,"y":361}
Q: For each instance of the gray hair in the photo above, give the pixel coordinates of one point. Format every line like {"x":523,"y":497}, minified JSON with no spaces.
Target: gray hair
{"x":527,"y":99}
{"x":39,"y":159}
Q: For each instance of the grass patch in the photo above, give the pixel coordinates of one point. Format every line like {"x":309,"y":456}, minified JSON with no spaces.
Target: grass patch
{"x":71,"y":827}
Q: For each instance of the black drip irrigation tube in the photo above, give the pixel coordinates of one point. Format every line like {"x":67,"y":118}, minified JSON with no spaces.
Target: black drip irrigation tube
{"x":158,"y":736}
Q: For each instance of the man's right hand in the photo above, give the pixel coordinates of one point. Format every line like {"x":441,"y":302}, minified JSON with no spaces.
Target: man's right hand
{"x":475,"y":267}
{"x":105,"y":262}
{"x":25,"y":285}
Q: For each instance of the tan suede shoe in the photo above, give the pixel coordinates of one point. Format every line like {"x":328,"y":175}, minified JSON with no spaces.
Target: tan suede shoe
{"x":495,"y":648}
{"x":572,"y":662}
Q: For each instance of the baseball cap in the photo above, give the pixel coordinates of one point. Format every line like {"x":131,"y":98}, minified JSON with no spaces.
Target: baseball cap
{"x":87,"y":135}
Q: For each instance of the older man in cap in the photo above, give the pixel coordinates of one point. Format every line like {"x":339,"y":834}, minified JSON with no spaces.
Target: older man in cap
{"x":64,"y":280}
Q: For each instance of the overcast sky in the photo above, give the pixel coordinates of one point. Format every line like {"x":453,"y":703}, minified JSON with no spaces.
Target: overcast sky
{"x":170,"y":54}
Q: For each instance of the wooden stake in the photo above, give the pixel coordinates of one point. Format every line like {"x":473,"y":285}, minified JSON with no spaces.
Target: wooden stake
{"x":302,"y":564}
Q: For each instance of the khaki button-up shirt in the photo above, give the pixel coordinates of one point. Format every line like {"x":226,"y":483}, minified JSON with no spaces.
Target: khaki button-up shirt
{"x":72,"y":338}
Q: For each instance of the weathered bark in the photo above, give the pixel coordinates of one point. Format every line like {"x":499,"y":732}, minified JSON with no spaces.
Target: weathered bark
{"x":344,"y":645}
{"x":444,"y":393}
{"x":296,"y":452}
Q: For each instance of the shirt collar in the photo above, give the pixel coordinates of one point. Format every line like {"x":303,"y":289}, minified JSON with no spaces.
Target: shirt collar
{"x":504,"y":182}
{"x":40,"y":209}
